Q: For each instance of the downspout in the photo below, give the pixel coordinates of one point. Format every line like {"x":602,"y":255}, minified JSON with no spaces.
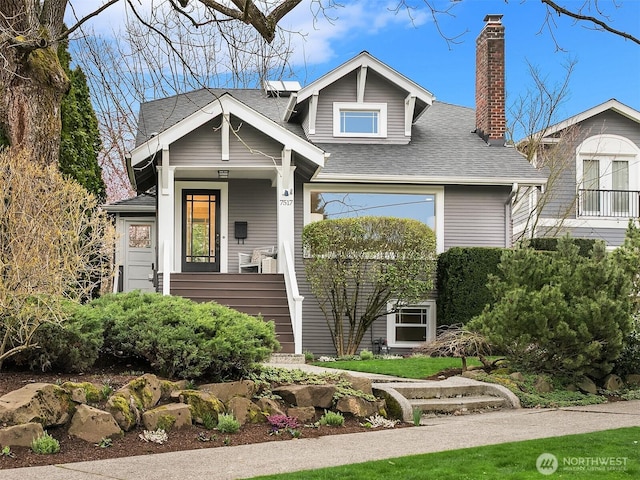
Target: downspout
{"x":507,"y":215}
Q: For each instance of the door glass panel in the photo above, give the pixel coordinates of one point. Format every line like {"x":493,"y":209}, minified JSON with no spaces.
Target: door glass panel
{"x":139,"y":236}
{"x":592,"y":185}
{"x":200,"y":228}
{"x":620,"y":183}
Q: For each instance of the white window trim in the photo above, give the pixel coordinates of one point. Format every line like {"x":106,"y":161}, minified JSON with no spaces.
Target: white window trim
{"x":381,"y":108}
{"x":438,"y":192}
{"x":391,"y":324}
{"x":606,"y":149}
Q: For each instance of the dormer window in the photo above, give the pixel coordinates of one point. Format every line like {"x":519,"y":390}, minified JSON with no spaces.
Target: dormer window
{"x":359,"y":119}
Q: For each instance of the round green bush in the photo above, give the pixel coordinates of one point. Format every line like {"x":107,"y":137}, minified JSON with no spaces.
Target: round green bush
{"x":182,"y":338}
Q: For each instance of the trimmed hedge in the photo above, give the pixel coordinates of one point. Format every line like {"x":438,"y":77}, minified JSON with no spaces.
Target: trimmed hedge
{"x":585,"y":245}
{"x":461,"y":281}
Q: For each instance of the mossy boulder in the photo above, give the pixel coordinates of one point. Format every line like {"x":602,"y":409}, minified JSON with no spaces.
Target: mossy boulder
{"x":202,"y":405}
{"x":245,"y":411}
{"x":83,"y":392}
{"x":44,"y":403}
{"x":124,"y":410}
{"x":167,"y":417}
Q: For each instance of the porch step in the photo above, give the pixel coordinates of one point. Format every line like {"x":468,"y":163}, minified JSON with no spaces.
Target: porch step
{"x":453,"y":395}
{"x":251,"y":293}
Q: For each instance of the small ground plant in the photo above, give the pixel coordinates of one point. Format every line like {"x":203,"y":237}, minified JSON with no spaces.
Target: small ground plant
{"x":332,"y":419}
{"x":227,"y":423}
{"x":45,"y":444}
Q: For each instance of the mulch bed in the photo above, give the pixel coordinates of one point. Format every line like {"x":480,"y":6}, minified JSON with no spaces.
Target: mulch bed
{"x":130,"y":444}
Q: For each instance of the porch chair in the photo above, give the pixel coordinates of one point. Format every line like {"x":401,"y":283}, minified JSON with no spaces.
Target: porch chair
{"x":249,"y":261}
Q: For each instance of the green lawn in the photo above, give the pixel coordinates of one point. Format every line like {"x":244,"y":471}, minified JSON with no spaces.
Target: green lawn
{"x":411,"y":367}
{"x":515,"y":460}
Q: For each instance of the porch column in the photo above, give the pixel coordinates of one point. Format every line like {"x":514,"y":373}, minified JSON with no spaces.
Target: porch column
{"x":285,"y":206}
{"x":166,"y":216}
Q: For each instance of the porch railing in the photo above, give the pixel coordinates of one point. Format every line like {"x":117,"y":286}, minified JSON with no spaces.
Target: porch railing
{"x":293,"y":295}
{"x":608,"y":203}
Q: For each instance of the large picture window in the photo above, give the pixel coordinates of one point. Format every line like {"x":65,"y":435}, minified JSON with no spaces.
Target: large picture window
{"x":331,"y":201}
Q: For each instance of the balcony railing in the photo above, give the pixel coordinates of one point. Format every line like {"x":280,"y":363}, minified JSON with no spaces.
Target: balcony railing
{"x":608,"y":203}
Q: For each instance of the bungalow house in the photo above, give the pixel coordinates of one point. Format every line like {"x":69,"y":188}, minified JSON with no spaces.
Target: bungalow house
{"x":229,"y":177}
{"x":593,"y":163}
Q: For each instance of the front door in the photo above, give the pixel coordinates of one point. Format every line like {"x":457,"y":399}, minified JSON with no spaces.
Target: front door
{"x":140,"y":239}
{"x":201,"y":230}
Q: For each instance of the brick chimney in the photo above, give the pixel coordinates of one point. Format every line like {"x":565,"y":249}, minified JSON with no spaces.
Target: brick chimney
{"x":490,"y":89}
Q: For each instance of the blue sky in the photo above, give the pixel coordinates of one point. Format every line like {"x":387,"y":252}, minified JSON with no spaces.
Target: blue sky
{"x":607,"y":65}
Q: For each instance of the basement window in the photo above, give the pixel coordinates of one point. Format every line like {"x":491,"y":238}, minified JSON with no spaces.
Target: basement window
{"x":411,"y":325}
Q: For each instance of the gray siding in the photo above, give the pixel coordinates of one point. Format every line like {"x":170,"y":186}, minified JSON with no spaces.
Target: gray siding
{"x":203,"y":146}
{"x":474,"y":216}
{"x":613,"y":237}
{"x":377,"y":90}
{"x":254,"y":202}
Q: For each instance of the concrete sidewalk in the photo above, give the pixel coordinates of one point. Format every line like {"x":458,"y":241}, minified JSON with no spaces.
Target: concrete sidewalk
{"x":442,"y":433}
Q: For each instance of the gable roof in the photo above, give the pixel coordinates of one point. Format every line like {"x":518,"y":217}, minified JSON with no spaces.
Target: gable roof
{"x":363,"y":59}
{"x":443,"y":150}
{"x":174,"y":118}
{"x":611,"y":104}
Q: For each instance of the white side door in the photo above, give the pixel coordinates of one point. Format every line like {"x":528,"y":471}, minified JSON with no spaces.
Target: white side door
{"x":139,"y":254}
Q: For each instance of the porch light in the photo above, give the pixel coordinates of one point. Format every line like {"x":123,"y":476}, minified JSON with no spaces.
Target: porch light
{"x":223,"y":173}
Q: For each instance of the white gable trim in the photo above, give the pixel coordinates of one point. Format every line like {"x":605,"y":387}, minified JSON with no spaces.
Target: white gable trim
{"x":362,"y":61}
{"x":612,"y":104}
{"x":224,"y":105}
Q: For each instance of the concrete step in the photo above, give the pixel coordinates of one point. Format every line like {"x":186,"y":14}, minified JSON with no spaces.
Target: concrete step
{"x":469,"y":404}
{"x":446,"y":396}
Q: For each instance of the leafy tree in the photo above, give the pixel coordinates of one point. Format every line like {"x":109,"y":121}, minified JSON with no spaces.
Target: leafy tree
{"x":356,"y":266}
{"x":55,"y":246}
{"x":80,"y":137}
{"x":558,"y":312}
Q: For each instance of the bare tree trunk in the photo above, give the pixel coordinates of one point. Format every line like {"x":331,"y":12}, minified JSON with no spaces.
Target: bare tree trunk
{"x":32,"y":87}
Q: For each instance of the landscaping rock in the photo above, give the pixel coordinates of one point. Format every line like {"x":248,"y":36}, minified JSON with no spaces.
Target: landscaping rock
{"x":122,"y":406}
{"x":303,"y":414}
{"x":270,"y":406}
{"x":226,"y":391}
{"x":633,"y":380}
{"x":20,"y":435}
{"x":320,"y":396}
{"x":173,"y":415}
{"x":587,"y":385}
{"x":244,"y":410}
{"x":92,"y":425}
{"x":543,"y":385}
{"x":201,"y":404}
{"x":357,"y":406}
{"x":43,"y":403}
{"x":359,"y":383}
{"x":517,"y":376}
{"x":84,"y":392}
{"x":171,"y":390}
{"x":612,"y":383}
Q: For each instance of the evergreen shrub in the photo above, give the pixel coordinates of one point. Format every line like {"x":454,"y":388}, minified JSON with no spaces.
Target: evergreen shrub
{"x":559,"y":312}
{"x":70,"y":346}
{"x":182,"y":338}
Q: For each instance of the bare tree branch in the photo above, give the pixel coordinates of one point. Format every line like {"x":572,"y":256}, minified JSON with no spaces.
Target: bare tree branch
{"x":600,"y":24}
